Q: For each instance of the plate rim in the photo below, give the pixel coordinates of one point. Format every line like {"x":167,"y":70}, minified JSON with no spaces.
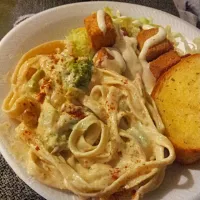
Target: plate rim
{"x":35,"y":16}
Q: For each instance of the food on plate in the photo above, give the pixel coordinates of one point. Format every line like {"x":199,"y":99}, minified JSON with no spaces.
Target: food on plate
{"x":78,"y":43}
{"x":156,"y":50}
{"x":85,"y":112}
{"x":100,"y":30}
{"x":110,"y":58}
{"x":176,"y":94}
{"x":164,"y":62}
{"x":101,"y":56}
{"x":90,"y":130}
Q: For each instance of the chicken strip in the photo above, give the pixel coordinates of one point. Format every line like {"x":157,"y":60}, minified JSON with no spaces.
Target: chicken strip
{"x":156,"y":50}
{"x":97,"y":37}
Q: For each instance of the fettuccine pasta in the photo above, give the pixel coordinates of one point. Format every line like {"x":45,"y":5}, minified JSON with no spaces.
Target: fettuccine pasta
{"x":89,"y":124}
{"x":95,"y":143}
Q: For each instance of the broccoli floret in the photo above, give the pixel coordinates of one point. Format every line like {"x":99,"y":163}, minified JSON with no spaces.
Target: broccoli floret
{"x":79,"y":74}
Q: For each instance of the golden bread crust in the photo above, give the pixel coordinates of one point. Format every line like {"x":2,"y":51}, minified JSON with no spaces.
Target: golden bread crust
{"x":177,"y":97}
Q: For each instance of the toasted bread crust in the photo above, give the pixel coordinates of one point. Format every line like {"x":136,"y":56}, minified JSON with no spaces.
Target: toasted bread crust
{"x":176,"y":94}
{"x":186,"y":156}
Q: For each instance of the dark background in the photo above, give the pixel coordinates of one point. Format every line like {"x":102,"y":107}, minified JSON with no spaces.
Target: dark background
{"x":10,"y":10}
{"x":11,"y":187}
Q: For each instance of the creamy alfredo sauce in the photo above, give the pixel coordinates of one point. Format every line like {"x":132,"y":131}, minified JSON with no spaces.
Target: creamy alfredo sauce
{"x":147,"y":27}
{"x":147,"y":76}
{"x":127,"y":46}
{"x":116,"y":64}
{"x":126,"y":60}
{"x":101,"y":21}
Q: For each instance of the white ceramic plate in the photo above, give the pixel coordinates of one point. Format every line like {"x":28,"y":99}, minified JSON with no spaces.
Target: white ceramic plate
{"x":180,"y":182}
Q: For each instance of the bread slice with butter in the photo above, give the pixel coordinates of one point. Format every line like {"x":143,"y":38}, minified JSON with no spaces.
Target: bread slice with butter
{"x":177,"y":96}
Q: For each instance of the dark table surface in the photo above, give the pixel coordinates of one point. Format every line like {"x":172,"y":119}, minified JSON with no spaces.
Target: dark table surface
{"x":11,"y":187}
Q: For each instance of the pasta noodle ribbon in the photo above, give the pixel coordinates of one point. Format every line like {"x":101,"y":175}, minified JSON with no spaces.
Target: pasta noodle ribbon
{"x":97,"y":142}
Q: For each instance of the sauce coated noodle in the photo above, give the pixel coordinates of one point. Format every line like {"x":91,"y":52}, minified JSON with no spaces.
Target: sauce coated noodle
{"x":107,"y":142}
{"x":130,"y":158}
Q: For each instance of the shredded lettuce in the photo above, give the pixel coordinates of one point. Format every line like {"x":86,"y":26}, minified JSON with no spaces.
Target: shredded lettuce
{"x":109,"y":11}
{"x":123,"y":22}
{"x":132,"y":25}
{"x":196,"y":41}
{"x":145,"y":20}
{"x":177,"y":38}
{"x":78,"y":43}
